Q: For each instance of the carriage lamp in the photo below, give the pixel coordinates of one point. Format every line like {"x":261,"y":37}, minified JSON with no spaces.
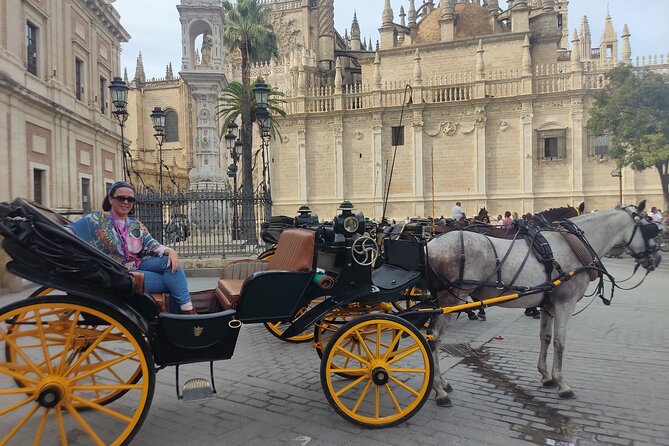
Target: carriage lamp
{"x":351,"y":224}
{"x":261,"y":92}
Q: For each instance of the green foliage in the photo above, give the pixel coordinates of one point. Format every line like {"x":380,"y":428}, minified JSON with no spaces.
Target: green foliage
{"x":248,"y":30}
{"x":633,"y":110}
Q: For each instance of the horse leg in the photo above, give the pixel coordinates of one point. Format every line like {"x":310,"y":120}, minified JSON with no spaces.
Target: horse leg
{"x":562,"y":313}
{"x":545,"y":334}
{"x":440,"y":385}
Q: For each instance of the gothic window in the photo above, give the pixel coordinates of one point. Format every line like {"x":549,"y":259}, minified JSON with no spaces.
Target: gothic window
{"x":598,"y":145}
{"x":38,"y":186}
{"x":86,"y":195}
{"x":552,"y":144}
{"x":31,"y":48}
{"x":171,"y":126}
{"x":102,"y":98}
{"x":397,"y":136}
{"x":78,"y":78}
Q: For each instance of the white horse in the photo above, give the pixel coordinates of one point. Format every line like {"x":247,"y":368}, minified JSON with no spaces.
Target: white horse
{"x":459,"y":260}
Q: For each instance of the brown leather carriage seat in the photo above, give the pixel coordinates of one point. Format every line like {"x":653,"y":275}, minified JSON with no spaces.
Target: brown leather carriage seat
{"x":294,"y":252}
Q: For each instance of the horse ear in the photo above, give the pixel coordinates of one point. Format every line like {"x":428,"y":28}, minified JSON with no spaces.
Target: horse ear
{"x":641,"y":206}
{"x":581,"y":207}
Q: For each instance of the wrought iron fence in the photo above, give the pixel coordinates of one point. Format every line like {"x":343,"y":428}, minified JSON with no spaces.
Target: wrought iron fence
{"x":205,"y":223}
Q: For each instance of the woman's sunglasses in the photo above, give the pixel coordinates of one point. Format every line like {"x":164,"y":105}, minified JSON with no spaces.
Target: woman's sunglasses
{"x":122,"y":198}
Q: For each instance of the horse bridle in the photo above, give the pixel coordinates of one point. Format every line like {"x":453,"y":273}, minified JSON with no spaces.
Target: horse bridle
{"x":647,"y":236}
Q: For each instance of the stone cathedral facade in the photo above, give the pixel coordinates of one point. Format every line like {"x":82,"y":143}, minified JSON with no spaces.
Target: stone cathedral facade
{"x":495,"y":109}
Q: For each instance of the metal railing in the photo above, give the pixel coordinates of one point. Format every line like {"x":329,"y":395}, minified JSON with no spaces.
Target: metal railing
{"x":207,"y":223}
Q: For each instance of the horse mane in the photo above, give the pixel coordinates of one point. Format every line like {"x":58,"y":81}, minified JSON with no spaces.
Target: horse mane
{"x":561,"y":213}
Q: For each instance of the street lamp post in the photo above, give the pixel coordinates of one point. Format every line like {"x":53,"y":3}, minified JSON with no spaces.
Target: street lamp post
{"x":118,"y":90}
{"x":158,"y":118}
{"x":619,"y":173}
{"x":235,"y":148}
{"x":261,"y":92}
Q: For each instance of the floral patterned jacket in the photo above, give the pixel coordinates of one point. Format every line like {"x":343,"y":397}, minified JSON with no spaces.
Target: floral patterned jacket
{"x":99,"y":229}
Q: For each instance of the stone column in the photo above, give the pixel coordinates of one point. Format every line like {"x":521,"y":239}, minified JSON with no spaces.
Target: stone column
{"x":302,"y":160}
{"x":338,"y":134}
{"x":480,"y":138}
{"x":527,"y":154}
{"x":379,"y":167}
{"x":418,"y":156}
{"x":578,"y":148}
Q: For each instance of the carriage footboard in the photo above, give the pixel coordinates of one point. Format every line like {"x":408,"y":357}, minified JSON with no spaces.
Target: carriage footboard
{"x":207,"y":337}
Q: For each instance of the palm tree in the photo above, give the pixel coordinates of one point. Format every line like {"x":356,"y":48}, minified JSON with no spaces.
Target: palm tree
{"x":248,"y":30}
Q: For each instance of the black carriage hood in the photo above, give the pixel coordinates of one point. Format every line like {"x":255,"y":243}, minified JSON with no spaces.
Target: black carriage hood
{"x":43,"y":251}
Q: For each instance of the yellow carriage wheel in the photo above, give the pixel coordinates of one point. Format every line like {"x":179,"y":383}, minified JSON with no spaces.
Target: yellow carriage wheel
{"x":66,"y":355}
{"x":393,"y":366}
{"x":277,"y":328}
{"x":102,"y":396}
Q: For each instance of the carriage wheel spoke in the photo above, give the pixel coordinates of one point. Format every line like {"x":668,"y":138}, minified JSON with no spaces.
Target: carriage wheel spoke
{"x":403,"y":353}
{"x":17,"y":405}
{"x":98,"y":387}
{"x":393,"y":398}
{"x":91,"y":433}
{"x":61,"y":427}
{"x":17,"y":390}
{"x":362,"y":396}
{"x":377,"y":401}
{"x":363,"y":345}
{"x":20,"y":424}
{"x":40,"y":428}
{"x":404,"y":386}
{"x":45,"y":351}
{"x":111,"y":370}
{"x":88,"y":351}
{"x":102,"y":409}
{"x":352,"y":355}
{"x":14,"y":372}
{"x":21,"y":353}
{"x":350,"y":386}
{"x":68,"y":342}
{"x":391,"y":348}
{"x":100,"y":366}
{"x":406,"y":370}
{"x":348,"y":371}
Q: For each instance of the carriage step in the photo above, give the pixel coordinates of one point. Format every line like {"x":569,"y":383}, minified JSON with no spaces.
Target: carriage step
{"x":197,"y":389}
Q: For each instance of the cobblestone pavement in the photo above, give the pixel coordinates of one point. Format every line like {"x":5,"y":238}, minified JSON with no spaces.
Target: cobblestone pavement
{"x":616,"y":360}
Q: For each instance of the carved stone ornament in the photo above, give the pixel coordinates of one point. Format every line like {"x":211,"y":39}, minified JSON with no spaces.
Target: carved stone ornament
{"x":358,"y":135}
{"x":448,"y":128}
{"x":503,"y":126}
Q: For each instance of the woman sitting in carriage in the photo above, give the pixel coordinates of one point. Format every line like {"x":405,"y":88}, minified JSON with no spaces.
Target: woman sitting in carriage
{"x":125,"y":239}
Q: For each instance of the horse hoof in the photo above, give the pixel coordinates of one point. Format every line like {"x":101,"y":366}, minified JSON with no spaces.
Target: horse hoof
{"x":482,"y":317}
{"x":565,"y":394}
{"x":444,"y":402}
{"x":449,"y":388}
{"x":548,"y":383}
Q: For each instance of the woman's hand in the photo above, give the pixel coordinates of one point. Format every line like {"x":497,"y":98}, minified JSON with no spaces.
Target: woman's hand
{"x":172,"y":259}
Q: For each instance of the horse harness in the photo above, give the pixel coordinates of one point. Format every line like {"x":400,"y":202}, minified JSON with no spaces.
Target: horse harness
{"x":541,"y":249}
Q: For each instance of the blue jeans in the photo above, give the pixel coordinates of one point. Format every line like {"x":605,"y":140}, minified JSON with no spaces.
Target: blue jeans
{"x":159,"y":278}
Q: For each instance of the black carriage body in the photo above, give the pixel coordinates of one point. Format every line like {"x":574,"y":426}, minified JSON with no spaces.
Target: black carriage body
{"x":45,"y":253}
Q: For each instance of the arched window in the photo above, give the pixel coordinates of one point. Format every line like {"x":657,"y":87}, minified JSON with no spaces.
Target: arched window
{"x":171,"y":126}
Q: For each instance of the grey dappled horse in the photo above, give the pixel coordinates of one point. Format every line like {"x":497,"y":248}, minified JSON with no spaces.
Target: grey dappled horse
{"x":621,"y":226}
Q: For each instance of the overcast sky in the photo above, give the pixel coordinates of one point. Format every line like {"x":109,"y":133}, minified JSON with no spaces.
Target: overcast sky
{"x":156,"y":32}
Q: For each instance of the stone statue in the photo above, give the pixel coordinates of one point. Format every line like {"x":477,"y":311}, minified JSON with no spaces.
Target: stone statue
{"x":207,"y":42}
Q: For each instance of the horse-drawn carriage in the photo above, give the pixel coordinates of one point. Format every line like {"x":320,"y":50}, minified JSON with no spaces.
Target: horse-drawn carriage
{"x":82,"y":353}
